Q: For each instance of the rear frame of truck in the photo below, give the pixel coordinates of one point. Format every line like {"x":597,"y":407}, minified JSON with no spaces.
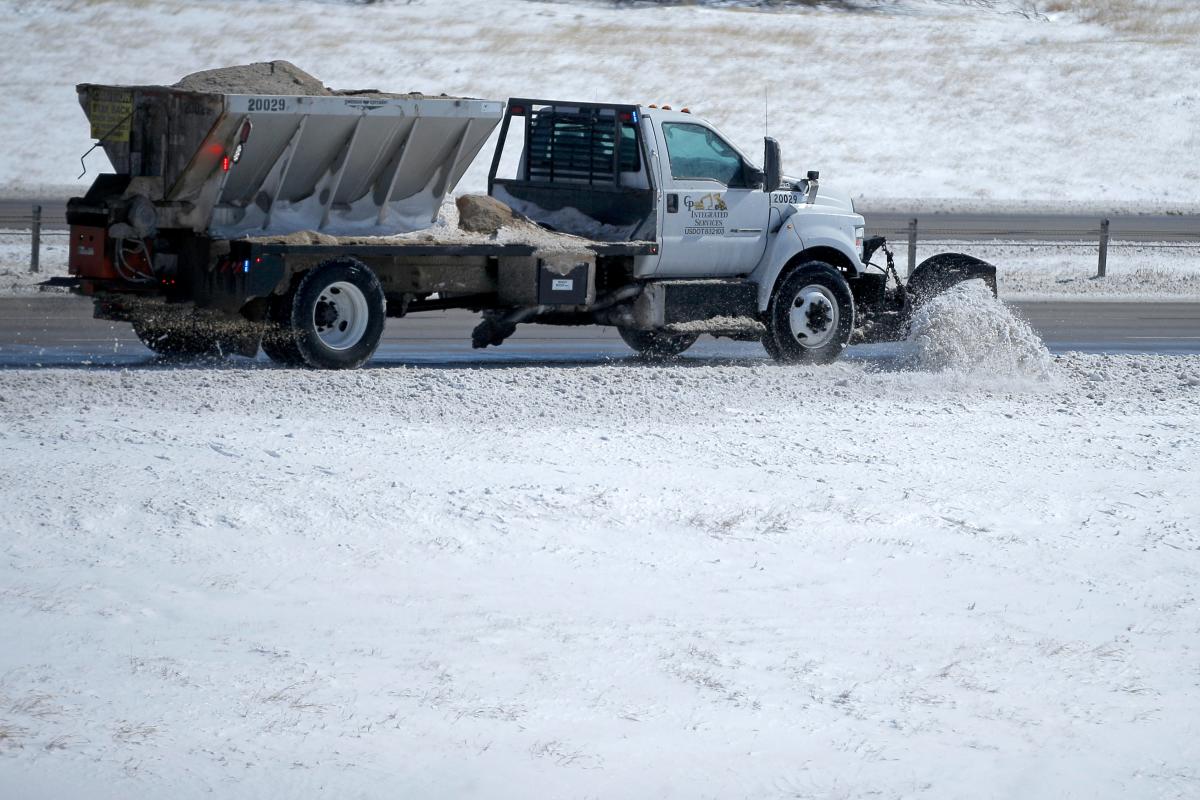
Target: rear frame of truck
{"x":225,"y":276}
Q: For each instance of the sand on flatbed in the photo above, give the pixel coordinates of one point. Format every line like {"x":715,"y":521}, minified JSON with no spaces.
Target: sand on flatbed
{"x":516,"y":229}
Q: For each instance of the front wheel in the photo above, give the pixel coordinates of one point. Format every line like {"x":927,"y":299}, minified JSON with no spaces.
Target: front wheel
{"x":657,"y":344}
{"x":811,"y":315}
{"x":333,"y":319}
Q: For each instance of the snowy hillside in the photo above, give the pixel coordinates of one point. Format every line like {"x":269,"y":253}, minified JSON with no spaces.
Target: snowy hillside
{"x":1005,"y":100}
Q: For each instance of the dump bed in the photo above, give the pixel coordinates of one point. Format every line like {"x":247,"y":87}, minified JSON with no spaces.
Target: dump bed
{"x":233,"y":165}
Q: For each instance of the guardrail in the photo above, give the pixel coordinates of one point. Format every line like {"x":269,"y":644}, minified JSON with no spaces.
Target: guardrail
{"x":1098,"y":237}
{"x":1044,"y":238}
{"x":31,"y":222}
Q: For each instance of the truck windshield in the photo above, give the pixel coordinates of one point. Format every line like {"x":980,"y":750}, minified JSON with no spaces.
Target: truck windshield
{"x":696,"y":153}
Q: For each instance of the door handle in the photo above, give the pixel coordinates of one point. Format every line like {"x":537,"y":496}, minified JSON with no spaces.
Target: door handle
{"x":745,"y":230}
{"x":672,"y":203}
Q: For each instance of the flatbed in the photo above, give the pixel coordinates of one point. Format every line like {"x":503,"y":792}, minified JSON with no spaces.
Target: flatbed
{"x":249,"y":249}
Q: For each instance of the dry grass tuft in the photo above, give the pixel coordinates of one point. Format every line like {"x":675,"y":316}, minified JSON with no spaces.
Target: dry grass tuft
{"x":133,"y":733}
{"x":1164,"y":20}
{"x":12,"y":736}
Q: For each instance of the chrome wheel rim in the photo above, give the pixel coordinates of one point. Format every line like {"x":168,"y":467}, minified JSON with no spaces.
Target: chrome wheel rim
{"x":340,"y":315}
{"x":813,"y":317}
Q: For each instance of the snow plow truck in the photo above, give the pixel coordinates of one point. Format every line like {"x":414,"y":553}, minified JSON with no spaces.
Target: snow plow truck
{"x":299,"y":223}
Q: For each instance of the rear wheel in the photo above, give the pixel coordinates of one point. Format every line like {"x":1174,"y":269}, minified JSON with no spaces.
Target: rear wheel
{"x":279,"y":339}
{"x":658,"y":344}
{"x":811,"y":315}
{"x":332,"y":319}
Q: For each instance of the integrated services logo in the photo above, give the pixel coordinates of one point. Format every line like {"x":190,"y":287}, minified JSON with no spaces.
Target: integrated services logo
{"x":709,"y":213}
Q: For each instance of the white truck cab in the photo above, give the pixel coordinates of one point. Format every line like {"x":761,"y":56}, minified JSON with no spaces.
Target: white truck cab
{"x":728,"y":231}
{"x":718,"y":216}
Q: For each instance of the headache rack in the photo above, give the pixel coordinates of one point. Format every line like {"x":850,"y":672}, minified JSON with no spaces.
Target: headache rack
{"x":592,"y":144}
{"x":588,"y":157}
{"x":573,"y":142}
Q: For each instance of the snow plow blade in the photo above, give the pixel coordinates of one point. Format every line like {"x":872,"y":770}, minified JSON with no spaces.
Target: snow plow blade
{"x":938,"y":273}
{"x":233,"y":165}
{"x":885,"y":313}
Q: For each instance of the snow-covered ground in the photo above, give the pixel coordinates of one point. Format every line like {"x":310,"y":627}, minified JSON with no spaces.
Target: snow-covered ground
{"x":1092,"y":104}
{"x":697,"y":580}
{"x":15,"y":247}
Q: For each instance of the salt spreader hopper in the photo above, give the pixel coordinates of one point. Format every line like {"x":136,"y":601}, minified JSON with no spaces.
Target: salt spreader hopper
{"x":240,"y":165}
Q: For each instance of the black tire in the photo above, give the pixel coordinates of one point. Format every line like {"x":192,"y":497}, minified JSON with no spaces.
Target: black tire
{"x":938,"y":273}
{"x":175,"y":338}
{"x":335,"y":317}
{"x":279,"y":338}
{"x":824,"y":318}
{"x":768,"y":341}
{"x":658,"y":344}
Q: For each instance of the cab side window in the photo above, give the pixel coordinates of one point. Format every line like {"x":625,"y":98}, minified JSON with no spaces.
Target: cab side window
{"x":696,"y":153}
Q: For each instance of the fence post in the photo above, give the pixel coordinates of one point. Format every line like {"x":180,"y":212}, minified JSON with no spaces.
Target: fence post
{"x":912,"y":245}
{"x":36,"y":246}
{"x":1103,"y":266}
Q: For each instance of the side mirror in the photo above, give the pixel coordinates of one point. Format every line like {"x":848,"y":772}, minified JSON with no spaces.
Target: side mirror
{"x":772,"y":164}
{"x":755,"y":178}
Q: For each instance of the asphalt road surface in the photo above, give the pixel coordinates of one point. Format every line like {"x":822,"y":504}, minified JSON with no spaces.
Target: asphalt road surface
{"x":59,"y":331}
{"x":1164,"y":227}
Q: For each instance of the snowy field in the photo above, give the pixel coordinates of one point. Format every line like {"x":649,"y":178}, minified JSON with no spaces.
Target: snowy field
{"x":1067,"y":271}
{"x":1066,"y":103}
{"x":15,"y":246}
{"x":882,"y":578}
{"x":984,"y":105}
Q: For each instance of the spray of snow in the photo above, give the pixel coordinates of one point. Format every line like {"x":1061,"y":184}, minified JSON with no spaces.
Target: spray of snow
{"x":965,"y":329}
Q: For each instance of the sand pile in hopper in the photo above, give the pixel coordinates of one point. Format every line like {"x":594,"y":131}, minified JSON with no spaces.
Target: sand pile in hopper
{"x":273,"y":78}
{"x":265,"y":77}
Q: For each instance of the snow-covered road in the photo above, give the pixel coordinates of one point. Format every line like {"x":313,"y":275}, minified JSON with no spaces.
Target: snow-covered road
{"x":697,"y":580}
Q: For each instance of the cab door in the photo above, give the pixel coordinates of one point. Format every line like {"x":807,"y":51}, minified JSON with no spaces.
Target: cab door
{"x":714,"y":221}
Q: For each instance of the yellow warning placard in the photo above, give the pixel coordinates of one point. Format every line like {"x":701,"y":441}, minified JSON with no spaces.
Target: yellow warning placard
{"x":110,"y":113}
